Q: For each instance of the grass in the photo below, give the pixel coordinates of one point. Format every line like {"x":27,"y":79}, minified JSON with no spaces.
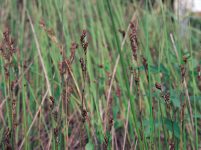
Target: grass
{"x":135,"y":89}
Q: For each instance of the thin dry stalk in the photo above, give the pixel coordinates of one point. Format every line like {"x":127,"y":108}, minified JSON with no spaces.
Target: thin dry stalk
{"x":40,"y":55}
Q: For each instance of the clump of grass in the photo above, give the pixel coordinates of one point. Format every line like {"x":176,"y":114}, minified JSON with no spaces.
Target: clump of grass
{"x":65,"y":89}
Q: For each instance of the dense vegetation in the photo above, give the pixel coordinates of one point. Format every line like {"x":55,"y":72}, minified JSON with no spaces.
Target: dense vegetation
{"x":98,"y":74}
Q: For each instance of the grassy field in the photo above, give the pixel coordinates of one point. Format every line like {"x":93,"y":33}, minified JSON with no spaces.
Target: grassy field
{"x":98,"y":74}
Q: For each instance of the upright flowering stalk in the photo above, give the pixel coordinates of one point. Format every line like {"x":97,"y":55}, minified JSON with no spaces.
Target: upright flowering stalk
{"x":83,"y":62}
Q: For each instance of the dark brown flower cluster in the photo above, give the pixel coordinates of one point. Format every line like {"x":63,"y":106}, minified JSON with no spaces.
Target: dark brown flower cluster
{"x":83,"y":41}
{"x":52,"y":102}
{"x":199,"y":72}
{"x":158,"y":86}
{"x":7,"y":47}
{"x":133,"y":39}
{"x":165,"y":94}
{"x":84,"y":115}
{"x":83,"y":65}
{"x":166,"y":97}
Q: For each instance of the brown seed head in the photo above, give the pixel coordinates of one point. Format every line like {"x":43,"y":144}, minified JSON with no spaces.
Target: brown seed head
{"x":199,"y":72}
{"x":122,"y":32}
{"x":83,"y":65}
{"x":83,"y":35}
{"x":133,"y":39}
{"x":158,"y":86}
{"x":166,"y":97}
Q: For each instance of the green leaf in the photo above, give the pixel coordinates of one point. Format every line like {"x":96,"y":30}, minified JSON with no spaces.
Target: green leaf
{"x":89,"y":146}
{"x":172,"y":126}
{"x":118,"y":124}
{"x":163,"y":69}
{"x":197,"y":116}
{"x":107,"y":66}
{"x":175,"y":98}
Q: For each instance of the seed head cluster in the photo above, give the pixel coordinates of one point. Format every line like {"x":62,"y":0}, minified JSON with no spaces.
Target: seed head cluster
{"x":7,"y":47}
{"x":133,"y":39}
